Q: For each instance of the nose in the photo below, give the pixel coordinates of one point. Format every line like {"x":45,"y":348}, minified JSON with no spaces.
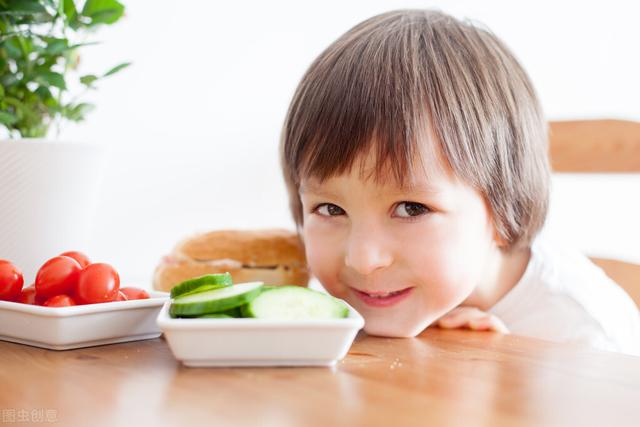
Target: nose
{"x":367,"y":251}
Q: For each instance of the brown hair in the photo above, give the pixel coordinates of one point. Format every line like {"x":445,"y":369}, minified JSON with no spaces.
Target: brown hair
{"x":397,"y":75}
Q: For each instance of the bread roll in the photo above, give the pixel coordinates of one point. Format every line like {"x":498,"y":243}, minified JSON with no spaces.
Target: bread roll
{"x":273,"y":256}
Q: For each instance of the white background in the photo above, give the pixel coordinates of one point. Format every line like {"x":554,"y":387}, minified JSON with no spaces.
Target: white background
{"x":194,"y":123}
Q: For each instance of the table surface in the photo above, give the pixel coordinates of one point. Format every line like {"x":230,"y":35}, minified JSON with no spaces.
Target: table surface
{"x":441,"y":377}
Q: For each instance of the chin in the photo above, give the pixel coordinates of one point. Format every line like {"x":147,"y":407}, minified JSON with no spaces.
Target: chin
{"x":392,"y":331}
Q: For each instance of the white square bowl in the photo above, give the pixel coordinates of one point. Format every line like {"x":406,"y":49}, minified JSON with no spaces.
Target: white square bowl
{"x":65,"y":328}
{"x":259,"y":342}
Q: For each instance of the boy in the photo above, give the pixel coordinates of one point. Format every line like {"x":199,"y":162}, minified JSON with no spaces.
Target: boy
{"x":415,"y":157}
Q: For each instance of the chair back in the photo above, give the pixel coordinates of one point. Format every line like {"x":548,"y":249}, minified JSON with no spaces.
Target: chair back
{"x":600,"y":146}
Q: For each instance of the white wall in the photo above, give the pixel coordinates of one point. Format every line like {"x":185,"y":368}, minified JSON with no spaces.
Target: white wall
{"x":194,"y":123}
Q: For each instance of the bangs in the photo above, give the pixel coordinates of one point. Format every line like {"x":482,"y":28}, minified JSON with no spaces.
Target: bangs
{"x":363,"y":97}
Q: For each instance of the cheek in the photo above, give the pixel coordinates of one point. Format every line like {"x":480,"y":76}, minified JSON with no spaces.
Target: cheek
{"x":449,"y":261}
{"x":323,"y":252}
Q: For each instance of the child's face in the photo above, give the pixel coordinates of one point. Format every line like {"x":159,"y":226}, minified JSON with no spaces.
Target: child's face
{"x":431,"y":246}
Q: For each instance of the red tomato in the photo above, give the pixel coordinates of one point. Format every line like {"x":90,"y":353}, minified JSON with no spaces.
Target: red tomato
{"x":134,"y":293}
{"x":82,"y":259}
{"x":98,"y":282}
{"x":59,"y":301}
{"x":11,"y":281}
{"x":57,"y":276}
{"x":28,"y":295}
{"x":121,"y":296}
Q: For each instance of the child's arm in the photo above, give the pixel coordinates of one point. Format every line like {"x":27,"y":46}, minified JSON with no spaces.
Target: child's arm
{"x":471,"y":318}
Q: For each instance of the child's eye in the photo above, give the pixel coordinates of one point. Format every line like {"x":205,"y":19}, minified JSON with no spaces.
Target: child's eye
{"x":329,"y":209}
{"x":411,"y":209}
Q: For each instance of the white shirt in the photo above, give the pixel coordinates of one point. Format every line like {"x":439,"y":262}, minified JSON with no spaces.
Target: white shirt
{"x":564,"y":297}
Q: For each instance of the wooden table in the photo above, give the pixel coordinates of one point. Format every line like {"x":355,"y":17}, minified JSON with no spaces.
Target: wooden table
{"x":440,"y":378}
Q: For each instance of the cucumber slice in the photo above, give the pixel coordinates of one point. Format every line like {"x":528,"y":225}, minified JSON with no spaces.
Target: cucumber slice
{"x":234,"y":312}
{"x":215,"y":316}
{"x":212,"y":281}
{"x":202,"y":288}
{"x":295,"y":303}
{"x":216,"y":300}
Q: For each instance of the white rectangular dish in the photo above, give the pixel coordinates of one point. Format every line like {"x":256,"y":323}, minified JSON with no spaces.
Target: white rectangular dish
{"x":259,"y":342}
{"x":65,"y":328}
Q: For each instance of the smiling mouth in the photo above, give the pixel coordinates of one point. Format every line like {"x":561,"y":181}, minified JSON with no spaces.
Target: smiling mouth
{"x":385,"y":299}
{"x":381,"y":294}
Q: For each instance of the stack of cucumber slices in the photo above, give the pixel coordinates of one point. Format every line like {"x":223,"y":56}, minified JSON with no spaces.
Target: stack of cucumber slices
{"x":215,"y":296}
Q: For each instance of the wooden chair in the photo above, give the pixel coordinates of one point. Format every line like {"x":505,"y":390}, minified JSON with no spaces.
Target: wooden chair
{"x":600,"y":146}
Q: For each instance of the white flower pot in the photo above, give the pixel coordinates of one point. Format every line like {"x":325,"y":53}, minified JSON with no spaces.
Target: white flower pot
{"x":49,"y":191}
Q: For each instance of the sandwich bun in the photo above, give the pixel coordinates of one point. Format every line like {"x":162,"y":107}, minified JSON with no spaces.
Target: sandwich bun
{"x":273,"y":256}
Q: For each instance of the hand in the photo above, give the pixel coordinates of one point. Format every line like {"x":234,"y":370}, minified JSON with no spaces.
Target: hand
{"x":471,"y":318}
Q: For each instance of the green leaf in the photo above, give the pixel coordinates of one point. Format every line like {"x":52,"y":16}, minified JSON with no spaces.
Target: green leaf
{"x":55,"y":46}
{"x":7,"y":118}
{"x":13,"y":48}
{"x":75,"y":46}
{"x":34,"y":131}
{"x":46,"y":62}
{"x":49,"y":78}
{"x":70,"y":11}
{"x":103,"y":11}
{"x":1,"y":91}
{"x":26,"y":44}
{"x":43,"y":92}
{"x":77,"y":112}
{"x":88,"y":79}
{"x":20,"y":12}
{"x":22,"y":7}
{"x":17,"y":105}
{"x":116,"y":69}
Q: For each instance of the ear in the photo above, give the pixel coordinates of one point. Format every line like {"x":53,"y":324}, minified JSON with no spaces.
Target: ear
{"x":501,"y":242}
{"x":498,"y":239}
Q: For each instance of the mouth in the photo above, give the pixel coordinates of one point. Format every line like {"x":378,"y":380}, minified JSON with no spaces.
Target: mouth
{"x":382,"y":299}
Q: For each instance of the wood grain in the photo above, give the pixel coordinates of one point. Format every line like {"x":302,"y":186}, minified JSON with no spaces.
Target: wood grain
{"x":440,"y":378}
{"x":595,"y":146}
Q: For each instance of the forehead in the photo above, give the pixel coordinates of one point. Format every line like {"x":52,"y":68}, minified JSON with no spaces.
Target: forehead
{"x":425,"y":173}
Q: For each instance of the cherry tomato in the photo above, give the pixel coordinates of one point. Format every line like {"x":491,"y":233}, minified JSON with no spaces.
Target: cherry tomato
{"x":134,"y":293}
{"x":11,"y":281}
{"x":57,"y":276}
{"x":28,"y":296}
{"x":59,"y":301}
{"x":121,"y":296}
{"x":98,"y":282}
{"x":82,"y":259}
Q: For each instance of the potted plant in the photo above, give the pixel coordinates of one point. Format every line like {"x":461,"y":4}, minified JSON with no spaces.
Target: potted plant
{"x":48,"y":187}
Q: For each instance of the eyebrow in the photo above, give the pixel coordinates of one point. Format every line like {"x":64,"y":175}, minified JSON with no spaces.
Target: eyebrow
{"x":406,"y":189}
{"x":413,"y":188}
{"x":314,"y":189}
